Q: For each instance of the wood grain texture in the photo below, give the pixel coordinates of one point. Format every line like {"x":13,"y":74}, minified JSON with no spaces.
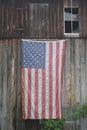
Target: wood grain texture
{"x":73,"y":92}
{"x":39,"y":19}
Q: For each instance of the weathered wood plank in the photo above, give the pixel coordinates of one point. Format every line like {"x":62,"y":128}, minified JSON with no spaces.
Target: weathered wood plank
{"x":9,"y":84}
{"x":38,"y":21}
{"x":2,"y":22}
{"x":82,"y":18}
{"x":72,"y":78}
{"x":26,"y":20}
{"x":77,"y":69}
{"x":19,"y":110}
{"x":1,"y":88}
{"x":82,"y":54}
{"x":67,"y":75}
{"x":69,"y":3}
{"x":4,"y":84}
{"x":31,"y":20}
{"x":0,"y":19}
{"x":11,"y":88}
{"x":86,"y":72}
{"x":14,"y":76}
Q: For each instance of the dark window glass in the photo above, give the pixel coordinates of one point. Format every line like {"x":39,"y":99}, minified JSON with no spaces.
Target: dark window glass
{"x":71,"y":20}
{"x":74,"y":10}
{"x":75,"y":27}
{"x":67,"y":26}
{"x":68,"y":10}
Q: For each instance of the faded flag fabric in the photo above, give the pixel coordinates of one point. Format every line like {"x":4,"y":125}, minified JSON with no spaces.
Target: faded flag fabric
{"x":42,"y":71}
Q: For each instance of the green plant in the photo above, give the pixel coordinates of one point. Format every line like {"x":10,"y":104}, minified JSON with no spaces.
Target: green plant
{"x":80,"y":112}
{"x":56,"y":124}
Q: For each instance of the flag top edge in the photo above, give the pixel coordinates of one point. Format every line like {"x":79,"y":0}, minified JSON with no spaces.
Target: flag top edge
{"x":43,"y":40}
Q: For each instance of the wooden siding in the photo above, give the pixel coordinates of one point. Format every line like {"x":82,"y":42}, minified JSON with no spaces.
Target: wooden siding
{"x":73,"y":3}
{"x":39,"y":20}
{"x":24,"y":21}
{"x":83,"y":17}
{"x":73,"y":91}
{"x":56,"y":19}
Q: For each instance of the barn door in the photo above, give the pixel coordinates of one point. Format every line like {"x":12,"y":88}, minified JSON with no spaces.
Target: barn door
{"x":39,"y":20}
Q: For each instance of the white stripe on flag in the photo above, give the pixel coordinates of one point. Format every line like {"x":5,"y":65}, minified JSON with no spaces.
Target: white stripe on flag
{"x":47,"y":82}
{"x":26,"y":92}
{"x":39,"y":93}
{"x":32,"y":93}
{"x":54,"y":81}
{"x":60,"y":70}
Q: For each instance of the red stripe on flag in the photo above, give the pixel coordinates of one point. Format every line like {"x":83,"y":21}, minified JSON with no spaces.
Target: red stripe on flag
{"x":29,"y":93}
{"x":57,"y":85}
{"x":63,"y":55}
{"x":50,"y":79}
{"x":43,"y":93}
{"x":36,"y":93}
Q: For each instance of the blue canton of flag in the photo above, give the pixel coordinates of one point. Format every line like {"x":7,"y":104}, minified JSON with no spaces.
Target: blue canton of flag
{"x":33,"y":54}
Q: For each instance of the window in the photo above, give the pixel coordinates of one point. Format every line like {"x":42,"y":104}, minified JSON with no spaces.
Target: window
{"x":71,"y":21}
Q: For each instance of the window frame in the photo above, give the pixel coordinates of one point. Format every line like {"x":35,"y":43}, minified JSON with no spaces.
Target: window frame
{"x":70,"y":34}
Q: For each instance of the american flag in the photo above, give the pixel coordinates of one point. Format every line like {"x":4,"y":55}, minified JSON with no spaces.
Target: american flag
{"x":42,"y":71}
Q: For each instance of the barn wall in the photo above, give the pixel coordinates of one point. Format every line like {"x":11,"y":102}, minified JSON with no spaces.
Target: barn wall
{"x":44,"y":21}
{"x":75,"y":3}
{"x":39,"y":20}
{"x":73,"y":91}
{"x":83,"y":17}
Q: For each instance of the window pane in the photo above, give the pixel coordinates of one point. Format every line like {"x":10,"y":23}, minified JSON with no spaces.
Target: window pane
{"x":67,"y":26}
{"x":67,"y":14}
{"x":68,"y":10}
{"x":75,"y":16}
{"x":75,"y":10}
{"x":75,"y":26}
{"x":71,"y":20}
